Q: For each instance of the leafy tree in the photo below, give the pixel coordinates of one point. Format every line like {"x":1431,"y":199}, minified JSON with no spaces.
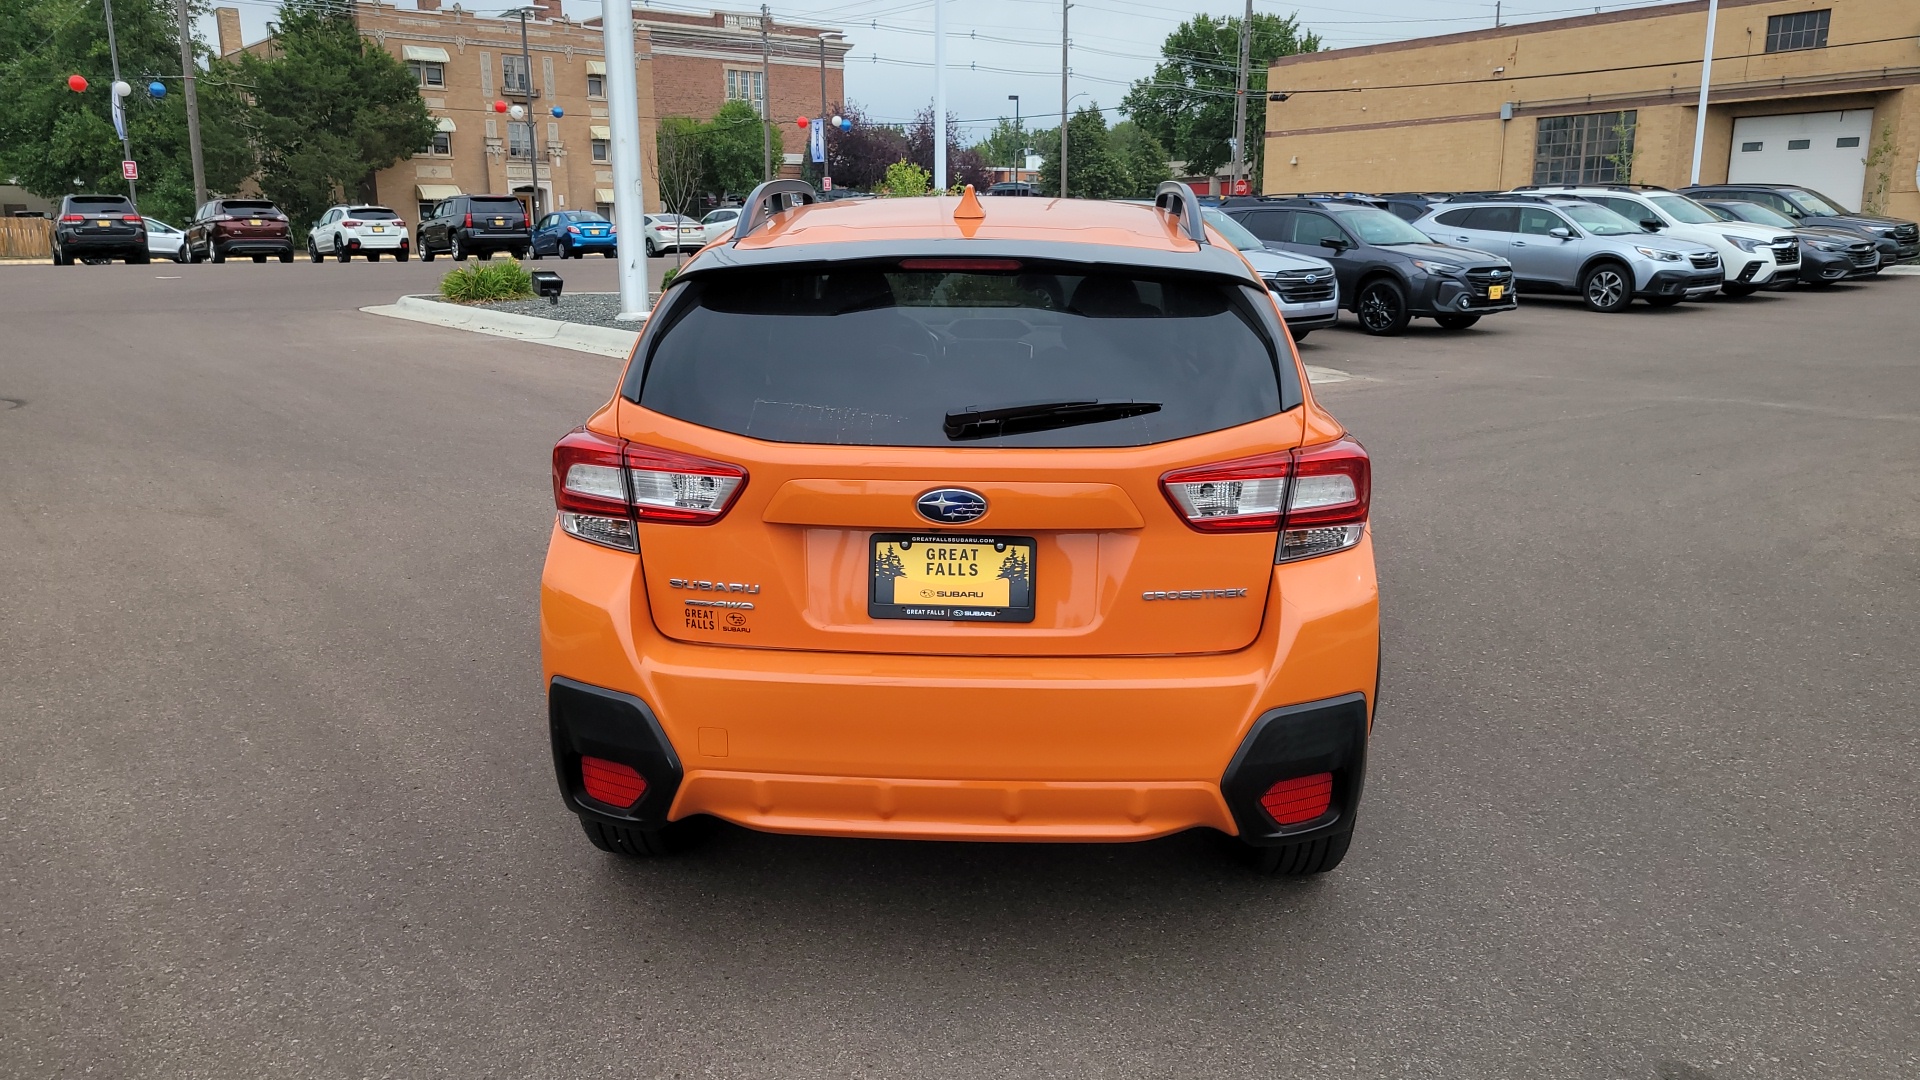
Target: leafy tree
{"x":732,"y":145}
{"x":860,"y":156}
{"x":964,"y":166}
{"x":1142,"y":156}
{"x":1093,"y":170}
{"x":50,"y":136}
{"x":330,"y":108}
{"x":1187,"y":103}
{"x":904,"y":179}
{"x":680,"y":164}
{"x":1005,"y":146}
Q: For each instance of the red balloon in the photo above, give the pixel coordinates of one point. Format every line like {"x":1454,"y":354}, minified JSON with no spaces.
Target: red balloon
{"x":77,"y":83}
{"x":499,"y":106}
{"x":802,"y":121}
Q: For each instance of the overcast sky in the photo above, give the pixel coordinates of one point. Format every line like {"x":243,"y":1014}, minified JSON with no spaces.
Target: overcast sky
{"x":1001,"y":47}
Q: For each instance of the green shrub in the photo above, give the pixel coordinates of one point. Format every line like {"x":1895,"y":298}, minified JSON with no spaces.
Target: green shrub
{"x":666,"y":279}
{"x":904,"y":180}
{"x":493,"y":281}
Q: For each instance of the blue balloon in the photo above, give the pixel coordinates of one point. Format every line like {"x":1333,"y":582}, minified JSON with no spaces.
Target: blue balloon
{"x":846,"y":124}
{"x":157,"y":88}
{"x":558,"y":112}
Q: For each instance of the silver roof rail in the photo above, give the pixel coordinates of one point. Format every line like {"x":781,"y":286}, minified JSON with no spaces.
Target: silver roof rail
{"x":769,"y":199}
{"x":1187,"y":212}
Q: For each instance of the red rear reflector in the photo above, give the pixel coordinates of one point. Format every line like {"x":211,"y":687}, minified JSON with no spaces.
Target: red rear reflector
{"x":960,"y":264}
{"x":611,"y":782}
{"x":1291,"y":802}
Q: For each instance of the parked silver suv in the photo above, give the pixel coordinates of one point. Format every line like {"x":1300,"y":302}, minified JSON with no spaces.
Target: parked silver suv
{"x":1569,"y":244}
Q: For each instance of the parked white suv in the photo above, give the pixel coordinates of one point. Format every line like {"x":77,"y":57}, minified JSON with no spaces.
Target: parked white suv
{"x":1755,"y":257}
{"x":348,"y":230}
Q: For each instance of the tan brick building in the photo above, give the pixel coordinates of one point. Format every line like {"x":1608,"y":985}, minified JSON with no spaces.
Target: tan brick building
{"x":1820,"y":92}
{"x":687,"y":66}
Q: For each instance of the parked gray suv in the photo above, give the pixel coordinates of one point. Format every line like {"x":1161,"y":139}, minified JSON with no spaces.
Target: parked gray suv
{"x":1568,"y":244}
{"x":1308,"y":292}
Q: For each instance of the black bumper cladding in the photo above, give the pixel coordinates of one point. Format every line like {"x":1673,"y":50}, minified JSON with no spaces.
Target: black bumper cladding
{"x":592,"y":722}
{"x":1299,"y":740}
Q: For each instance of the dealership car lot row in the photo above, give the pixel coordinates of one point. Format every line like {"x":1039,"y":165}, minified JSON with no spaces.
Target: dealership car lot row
{"x":1634,"y":751}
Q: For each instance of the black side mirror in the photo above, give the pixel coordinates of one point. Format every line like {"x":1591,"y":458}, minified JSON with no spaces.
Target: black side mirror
{"x":1651,"y":224}
{"x":1334,"y":242}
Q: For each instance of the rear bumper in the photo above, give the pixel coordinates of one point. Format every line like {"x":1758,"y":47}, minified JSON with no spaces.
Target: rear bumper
{"x":381,"y":242}
{"x":135,"y":242}
{"x":253,"y":245}
{"x":959,"y":748}
{"x":492,"y":241}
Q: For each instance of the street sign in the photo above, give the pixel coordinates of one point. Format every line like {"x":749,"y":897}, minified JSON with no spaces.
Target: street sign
{"x":818,"y":137}
{"x":129,"y":171}
{"x":826,"y":183}
{"x":1240,"y":187}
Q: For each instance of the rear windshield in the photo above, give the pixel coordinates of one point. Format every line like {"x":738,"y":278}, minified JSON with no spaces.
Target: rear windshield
{"x":244,"y":205}
{"x":98,"y":200}
{"x":496,"y":206}
{"x":890,"y":355}
{"x":372,"y":212}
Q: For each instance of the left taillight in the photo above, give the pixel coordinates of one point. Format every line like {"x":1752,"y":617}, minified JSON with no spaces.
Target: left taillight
{"x":604,"y":486}
{"x":1317,"y":497}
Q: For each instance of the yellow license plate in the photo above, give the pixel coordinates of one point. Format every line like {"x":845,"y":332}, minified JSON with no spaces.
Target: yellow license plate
{"x":379,"y":228}
{"x":253,"y":221}
{"x":499,"y":221}
{"x":1495,"y":292}
{"x":952,"y":578}
{"x":104,"y":223}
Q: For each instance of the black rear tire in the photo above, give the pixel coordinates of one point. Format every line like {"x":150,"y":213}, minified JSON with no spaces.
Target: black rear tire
{"x":59,"y":259}
{"x":373,"y":256}
{"x":141,"y":259}
{"x":1301,"y":860}
{"x":453,"y":248}
{"x":313,"y":250}
{"x":1607,"y":287}
{"x":1456,"y":322}
{"x":340,"y":252}
{"x":400,"y":256}
{"x":1382,"y":307}
{"x":646,"y":843}
{"x":214,"y":254}
{"x":286,"y":256}
{"x":1300,"y":335}
{"x":259,"y":258}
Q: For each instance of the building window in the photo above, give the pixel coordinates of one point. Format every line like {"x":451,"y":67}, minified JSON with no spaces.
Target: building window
{"x":1800,"y":30}
{"x":600,"y":154}
{"x":519,"y":142}
{"x":427,"y":73}
{"x":748,"y":86}
{"x":514,"y":78}
{"x":441,"y":145}
{"x":1851,"y":140}
{"x":1594,"y":148}
{"x":425,"y":209}
{"x":1752,"y":147}
{"x":604,"y":209}
{"x":1799,"y":144}
{"x":596,"y":86}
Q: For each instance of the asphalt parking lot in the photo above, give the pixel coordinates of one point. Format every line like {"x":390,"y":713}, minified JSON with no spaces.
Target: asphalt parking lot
{"x":275,"y":797}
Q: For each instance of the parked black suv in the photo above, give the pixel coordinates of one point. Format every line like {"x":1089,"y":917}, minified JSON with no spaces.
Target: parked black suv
{"x":1826,"y":255}
{"x":475,"y":225}
{"x":1389,"y":271}
{"x":1897,"y":238}
{"x":98,"y":228}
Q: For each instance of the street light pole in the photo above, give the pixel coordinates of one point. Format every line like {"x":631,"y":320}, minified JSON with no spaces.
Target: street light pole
{"x":533,"y":130}
{"x":1240,"y":102}
{"x":629,"y":191}
{"x":187,"y":69}
{"x":939,"y":97}
{"x":1064,"y":6}
{"x":1706,"y":77}
{"x":826,"y":165}
{"x":766,"y":95}
{"x":116,"y":104}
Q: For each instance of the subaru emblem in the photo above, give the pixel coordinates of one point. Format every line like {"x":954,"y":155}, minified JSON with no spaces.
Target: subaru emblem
{"x":1313,"y":278}
{"x":951,"y":506}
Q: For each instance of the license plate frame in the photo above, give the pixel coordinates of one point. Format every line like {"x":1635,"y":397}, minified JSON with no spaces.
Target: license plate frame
{"x":978,"y":562}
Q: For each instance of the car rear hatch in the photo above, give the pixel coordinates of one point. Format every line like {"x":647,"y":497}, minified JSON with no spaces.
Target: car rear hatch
{"x":498,"y":216}
{"x":104,"y":218}
{"x":252,"y":221}
{"x":897,"y":467}
{"x":369,"y":222}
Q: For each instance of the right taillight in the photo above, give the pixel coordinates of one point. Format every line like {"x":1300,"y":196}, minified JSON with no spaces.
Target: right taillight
{"x":603,"y":486}
{"x":1316,"y":497}
{"x":72,"y":219}
{"x":1328,"y":500}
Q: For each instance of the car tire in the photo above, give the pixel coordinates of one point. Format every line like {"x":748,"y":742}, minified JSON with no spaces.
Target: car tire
{"x":340,"y":252}
{"x":1303,"y":859}
{"x":1736,"y":289}
{"x":400,"y":256}
{"x":373,"y":256}
{"x":610,"y":254}
{"x":287,"y":255}
{"x":313,"y":250}
{"x":426,"y":253}
{"x":1300,"y":335}
{"x":1606,"y":288}
{"x":259,"y":258}
{"x":60,"y":259}
{"x":1382,"y":307}
{"x":534,"y":253}
{"x":651,"y":253}
{"x":454,"y":249}
{"x":644,"y":843}
{"x":214,"y":254}
{"x":1665,"y":301}
{"x":519,"y":254}
{"x":1456,"y":322}
{"x":139,"y":259}
{"x":180,"y":254}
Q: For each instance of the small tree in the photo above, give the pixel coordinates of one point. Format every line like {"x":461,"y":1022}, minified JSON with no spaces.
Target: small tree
{"x":1093,"y":172}
{"x":904,"y":179}
{"x":731,"y":147}
{"x":860,"y":155}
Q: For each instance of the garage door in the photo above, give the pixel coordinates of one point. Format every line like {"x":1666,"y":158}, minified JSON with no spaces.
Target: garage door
{"x":1826,"y":151}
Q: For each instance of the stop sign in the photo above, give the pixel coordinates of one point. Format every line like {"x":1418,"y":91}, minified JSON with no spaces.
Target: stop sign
{"x":1240,"y":187}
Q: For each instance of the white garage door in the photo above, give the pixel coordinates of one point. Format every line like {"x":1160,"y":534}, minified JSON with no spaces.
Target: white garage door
{"x":1826,"y":151}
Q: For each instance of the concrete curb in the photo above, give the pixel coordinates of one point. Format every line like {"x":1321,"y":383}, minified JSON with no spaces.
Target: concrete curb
{"x":1902,"y":271}
{"x":599,"y":340}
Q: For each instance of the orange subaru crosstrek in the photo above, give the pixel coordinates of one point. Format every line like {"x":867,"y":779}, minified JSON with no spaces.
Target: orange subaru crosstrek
{"x":961,"y":519}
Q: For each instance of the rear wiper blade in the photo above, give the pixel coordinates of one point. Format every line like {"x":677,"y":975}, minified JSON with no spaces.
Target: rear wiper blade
{"x":974,"y":422}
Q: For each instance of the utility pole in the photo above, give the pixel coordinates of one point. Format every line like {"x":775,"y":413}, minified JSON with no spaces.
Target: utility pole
{"x":1706,"y":77}
{"x":187,"y":68}
{"x":117,"y":104}
{"x":533,"y":127}
{"x":939,"y":96}
{"x":1019,"y":138}
{"x":1496,"y":14}
{"x":1064,"y":6}
{"x":629,"y":182}
{"x":766,"y":92}
{"x":826,"y":165}
{"x":1240,"y":102}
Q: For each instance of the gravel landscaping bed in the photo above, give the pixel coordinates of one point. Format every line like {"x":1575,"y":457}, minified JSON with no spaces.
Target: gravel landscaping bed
{"x":592,"y":309}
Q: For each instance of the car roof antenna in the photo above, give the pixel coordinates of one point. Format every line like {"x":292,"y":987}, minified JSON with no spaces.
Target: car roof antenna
{"x":969,"y":208}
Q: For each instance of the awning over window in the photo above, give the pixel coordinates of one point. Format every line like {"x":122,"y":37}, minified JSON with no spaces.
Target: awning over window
{"x":436,"y":192}
{"x":596,"y":67}
{"x":603,"y":194}
{"x":427,"y":53}
{"x":600,"y":131}
{"x":445,"y":123}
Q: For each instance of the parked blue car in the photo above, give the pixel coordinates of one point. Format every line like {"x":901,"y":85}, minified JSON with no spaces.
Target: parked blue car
{"x":572,"y":233}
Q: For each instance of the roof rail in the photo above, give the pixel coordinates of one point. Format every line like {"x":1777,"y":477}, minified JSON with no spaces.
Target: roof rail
{"x":761,"y":205}
{"x":1187,"y":213}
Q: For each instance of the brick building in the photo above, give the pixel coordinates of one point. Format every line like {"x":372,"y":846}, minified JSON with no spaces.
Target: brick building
{"x":686,"y":65}
{"x":1824,"y":93}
